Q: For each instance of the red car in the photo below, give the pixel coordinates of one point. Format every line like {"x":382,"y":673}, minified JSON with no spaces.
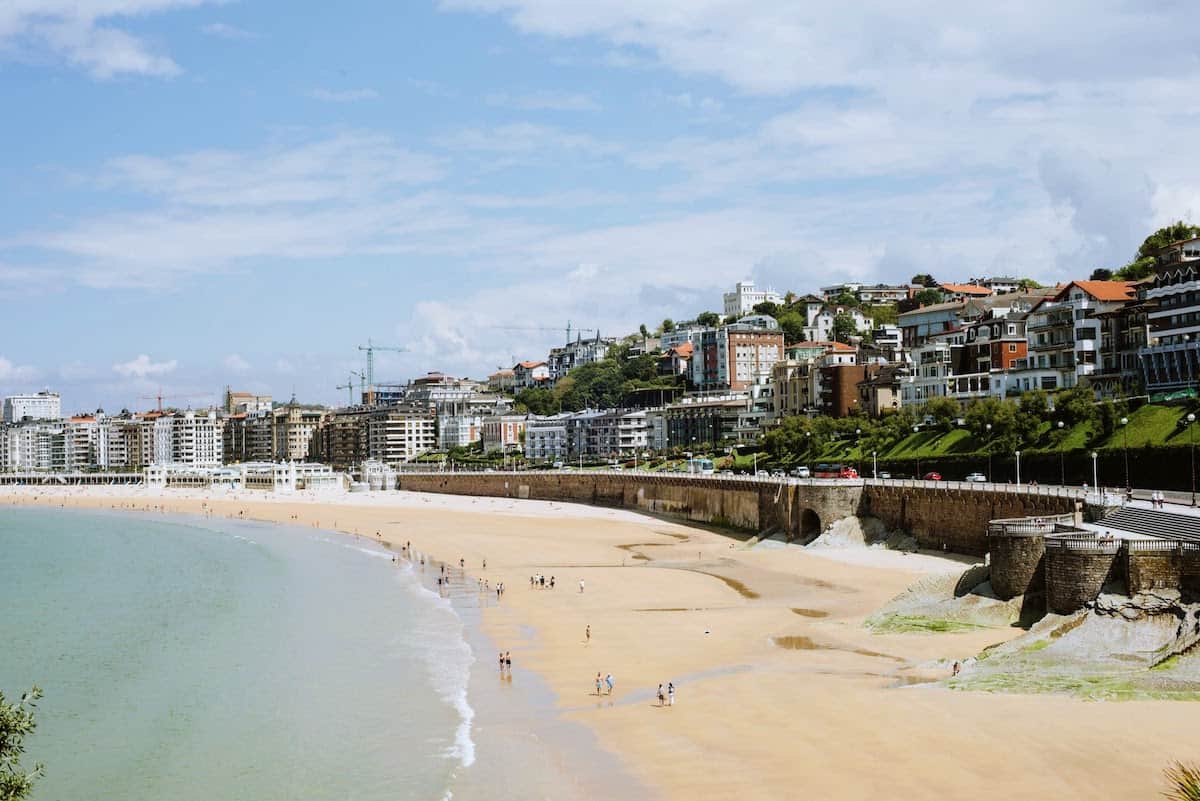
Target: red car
{"x":933,"y":476}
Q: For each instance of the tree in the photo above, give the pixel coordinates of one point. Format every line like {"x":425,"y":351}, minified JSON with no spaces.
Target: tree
{"x":928,"y":297}
{"x":944,"y":412}
{"x":537,"y":400}
{"x":1028,"y":283}
{"x":884,"y":314}
{"x":709,"y":319}
{"x":768,"y":308}
{"x":17,"y":722}
{"x":668,"y":325}
{"x":1143,"y":261}
{"x":924,"y":279}
{"x":1101,"y":274}
{"x":644,"y":331}
{"x":843,"y":327}
{"x":792,"y":325}
{"x":846,"y":299}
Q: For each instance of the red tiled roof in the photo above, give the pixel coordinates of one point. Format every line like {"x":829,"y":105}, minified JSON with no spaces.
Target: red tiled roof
{"x":1102,"y":290}
{"x":531,"y":365}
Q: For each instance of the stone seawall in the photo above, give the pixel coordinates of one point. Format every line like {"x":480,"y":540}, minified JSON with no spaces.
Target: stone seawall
{"x":1017,"y":564}
{"x":1076,"y":572}
{"x":795,"y":511}
{"x":942,"y":518}
{"x":955,"y":519}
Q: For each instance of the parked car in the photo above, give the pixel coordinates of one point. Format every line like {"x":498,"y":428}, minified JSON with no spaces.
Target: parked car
{"x":978,"y":478}
{"x":933,"y":475}
{"x":801,"y":472}
{"x":885,"y":474}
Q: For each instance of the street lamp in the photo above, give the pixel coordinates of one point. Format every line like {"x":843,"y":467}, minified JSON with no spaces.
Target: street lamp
{"x":875,"y":465}
{"x":1018,"y":455}
{"x":917,"y":429}
{"x":1062,"y":470}
{"x":857,"y":441}
{"x":988,"y":429}
{"x":1125,"y":448}
{"x":1095,"y":473}
{"x":1191,"y":418}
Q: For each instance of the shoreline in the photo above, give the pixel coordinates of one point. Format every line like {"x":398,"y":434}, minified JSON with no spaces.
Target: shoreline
{"x":781,"y":689}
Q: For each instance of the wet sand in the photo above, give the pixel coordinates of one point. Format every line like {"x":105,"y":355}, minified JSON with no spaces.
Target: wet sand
{"x":782,"y":693}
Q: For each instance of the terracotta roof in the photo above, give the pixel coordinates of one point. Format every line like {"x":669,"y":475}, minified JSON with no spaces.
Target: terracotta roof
{"x":686,"y":349}
{"x":531,"y":365}
{"x":965,"y":289}
{"x":1102,"y":290}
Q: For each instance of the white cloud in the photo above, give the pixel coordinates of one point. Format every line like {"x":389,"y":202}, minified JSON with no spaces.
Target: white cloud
{"x":11,"y":373}
{"x":142,"y":367}
{"x":83,"y":33}
{"x":544,"y":101}
{"x":343,"y":95}
{"x":223,"y":30}
{"x":236,"y":363}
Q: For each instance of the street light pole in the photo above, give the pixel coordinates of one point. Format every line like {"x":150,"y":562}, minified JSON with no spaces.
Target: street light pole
{"x":1191,"y":418}
{"x":1125,"y":448}
{"x":1062,"y":469}
{"x":875,"y":465}
{"x":918,"y":475}
{"x":988,"y":428}
{"x":1018,"y":454}
{"x":1095,"y":473}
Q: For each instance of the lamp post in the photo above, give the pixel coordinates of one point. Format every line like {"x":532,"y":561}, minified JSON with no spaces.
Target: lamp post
{"x":1062,"y":469}
{"x":1125,"y":448}
{"x":1018,"y":455}
{"x":1191,"y":418}
{"x":857,"y":444}
{"x":916,"y":429}
{"x":1095,"y":473}
{"x":755,"y":454}
{"x":875,"y":465}
{"x":988,"y":429}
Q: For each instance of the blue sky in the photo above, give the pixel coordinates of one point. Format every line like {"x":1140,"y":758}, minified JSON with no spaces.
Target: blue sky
{"x":207,"y":193}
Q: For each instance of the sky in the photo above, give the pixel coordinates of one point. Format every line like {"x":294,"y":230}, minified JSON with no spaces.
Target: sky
{"x":202,"y":193}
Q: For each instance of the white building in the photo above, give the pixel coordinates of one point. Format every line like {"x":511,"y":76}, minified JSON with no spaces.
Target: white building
{"x":459,"y":430}
{"x":197,"y":439}
{"x":530,"y":374}
{"x":819,"y":327}
{"x":576,"y":354}
{"x":43,"y":405}
{"x":398,"y":434}
{"x":546,"y":437}
{"x":745,"y":297}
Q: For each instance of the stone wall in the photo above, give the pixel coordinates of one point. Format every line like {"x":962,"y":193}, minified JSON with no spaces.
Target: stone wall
{"x":955,"y":519}
{"x":1017,"y":564}
{"x":1077,"y":572}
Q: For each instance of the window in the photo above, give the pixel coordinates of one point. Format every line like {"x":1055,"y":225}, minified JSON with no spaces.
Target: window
{"x":1012,"y":348}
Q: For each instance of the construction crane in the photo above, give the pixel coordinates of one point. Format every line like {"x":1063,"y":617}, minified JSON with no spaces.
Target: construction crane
{"x":159,"y":397}
{"x":370,"y":348}
{"x":349,"y":386}
{"x":569,"y":329}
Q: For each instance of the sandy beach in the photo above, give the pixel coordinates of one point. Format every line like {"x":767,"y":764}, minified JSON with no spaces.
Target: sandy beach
{"x":782,"y":693}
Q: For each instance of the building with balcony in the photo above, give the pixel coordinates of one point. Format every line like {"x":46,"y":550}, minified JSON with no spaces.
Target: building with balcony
{"x":529,"y":374}
{"x":1064,"y":334}
{"x":578,"y":353}
{"x":1170,"y":361}
{"x":730,"y":357}
{"x":503,"y":432}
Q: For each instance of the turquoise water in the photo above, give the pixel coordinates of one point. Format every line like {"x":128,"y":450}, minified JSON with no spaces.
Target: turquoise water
{"x":185,"y":658}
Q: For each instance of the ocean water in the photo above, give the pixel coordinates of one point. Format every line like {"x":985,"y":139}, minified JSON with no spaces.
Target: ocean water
{"x":190,"y":658}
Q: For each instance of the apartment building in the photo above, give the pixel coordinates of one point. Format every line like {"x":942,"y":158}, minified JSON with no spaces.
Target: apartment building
{"x":458,"y":430}
{"x":529,"y":374}
{"x":43,"y":405}
{"x":292,"y":428}
{"x":197,"y":439}
{"x":400,"y":433}
{"x":546,"y":438}
{"x":1170,"y":360}
{"x":503,"y":432}
{"x":730,"y":357}
{"x":578,"y":353}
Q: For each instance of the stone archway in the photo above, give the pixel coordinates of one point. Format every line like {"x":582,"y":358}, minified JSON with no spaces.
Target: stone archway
{"x":810,"y":526}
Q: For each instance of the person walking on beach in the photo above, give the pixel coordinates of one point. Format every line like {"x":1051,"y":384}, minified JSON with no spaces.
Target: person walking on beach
{"x":670,"y":694}
{"x":501,"y":661}
{"x":608,"y":679}
{"x":508,"y":661}
{"x":660,"y":695}
{"x":598,"y":684}
{"x":581,"y":585}
{"x":587,"y":633}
